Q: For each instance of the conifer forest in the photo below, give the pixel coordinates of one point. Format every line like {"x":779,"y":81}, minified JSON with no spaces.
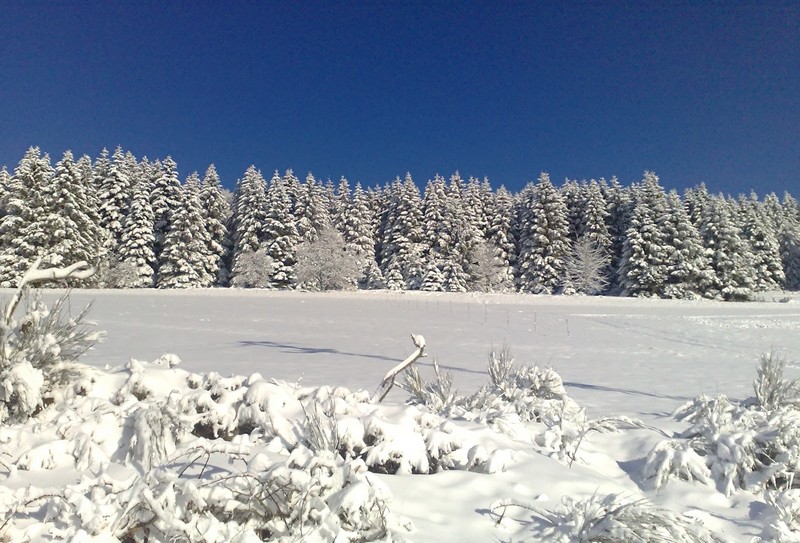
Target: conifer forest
{"x":142,"y":227}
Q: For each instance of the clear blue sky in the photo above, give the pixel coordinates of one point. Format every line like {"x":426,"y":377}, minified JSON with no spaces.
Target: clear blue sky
{"x":696,"y":91}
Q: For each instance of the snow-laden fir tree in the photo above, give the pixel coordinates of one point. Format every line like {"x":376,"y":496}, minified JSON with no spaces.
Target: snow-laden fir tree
{"x":402,"y":249}
{"x":696,"y":200}
{"x":166,"y":199}
{"x":186,"y":248}
{"x":790,"y":242}
{"x":113,"y":181}
{"x":594,"y":215}
{"x":545,"y":242}
{"x":688,"y":271}
{"x":432,"y":278}
{"x":764,"y":247}
{"x":216,"y":215}
{"x":311,"y":210}
{"x":5,"y":184}
{"x":643,"y":267}
{"x":727,"y":251}
{"x":24,"y":203}
{"x":249,"y":220}
{"x":70,"y":220}
{"x":281,"y":236}
{"x":500,"y":238}
{"x":136,"y":246}
{"x":356,"y":226}
{"x":573,"y":200}
{"x":620,"y":210}
{"x":460,"y":259}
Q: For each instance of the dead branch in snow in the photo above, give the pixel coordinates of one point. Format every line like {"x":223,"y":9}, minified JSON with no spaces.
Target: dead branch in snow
{"x":79,"y":270}
{"x":388,"y":380}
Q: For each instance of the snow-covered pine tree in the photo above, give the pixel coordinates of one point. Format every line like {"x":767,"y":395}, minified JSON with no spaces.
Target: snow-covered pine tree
{"x":281,"y":236}
{"x":460,"y":258}
{"x":24,"y":204}
{"x":402,"y":249}
{"x":546,"y":243}
{"x":436,"y":237}
{"x":166,"y":199}
{"x":311,"y":211}
{"x":696,"y":200}
{"x":764,"y":247}
{"x":136,"y":246}
{"x":432,"y":278}
{"x":186,"y":252}
{"x":728,"y":253}
{"x":70,"y":218}
{"x":500,"y":238}
{"x":573,"y":200}
{"x":113,"y":181}
{"x":5,"y":185}
{"x":216,"y":216}
{"x":688,"y":271}
{"x":643,"y":268}
{"x":790,"y":242}
{"x":249,"y":221}
{"x":340,"y":204}
{"x":620,"y":210}
{"x":356,"y":226}
{"x":595,"y":216}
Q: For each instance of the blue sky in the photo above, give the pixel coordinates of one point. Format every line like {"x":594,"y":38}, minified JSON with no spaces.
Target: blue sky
{"x":696,"y":91}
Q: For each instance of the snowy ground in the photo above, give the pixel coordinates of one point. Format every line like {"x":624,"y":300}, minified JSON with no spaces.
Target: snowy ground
{"x":639,"y":358}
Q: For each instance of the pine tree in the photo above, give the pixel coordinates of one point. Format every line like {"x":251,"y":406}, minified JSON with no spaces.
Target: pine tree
{"x":136,"y":246}
{"x":185,"y":253}
{"x":70,"y":218}
{"x":166,"y":199}
{"x":620,"y":210}
{"x":20,"y":243}
{"x":249,"y":230}
{"x":545,"y":243}
{"x":643,"y":267}
{"x":432,"y":278}
{"x":500,"y":238}
{"x":764,"y":247}
{"x":281,"y":233}
{"x":113,"y":182}
{"x":728,"y":254}
{"x":311,"y":211}
{"x":401,"y":248}
{"x":216,"y":216}
{"x":790,"y":242}
{"x":688,"y":271}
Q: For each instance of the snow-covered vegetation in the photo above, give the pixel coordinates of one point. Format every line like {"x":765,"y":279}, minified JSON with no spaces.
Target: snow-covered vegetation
{"x":150,"y":451}
{"x":140,"y":226}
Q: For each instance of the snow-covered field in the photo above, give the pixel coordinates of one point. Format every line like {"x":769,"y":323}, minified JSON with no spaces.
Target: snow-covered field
{"x":616,"y":356}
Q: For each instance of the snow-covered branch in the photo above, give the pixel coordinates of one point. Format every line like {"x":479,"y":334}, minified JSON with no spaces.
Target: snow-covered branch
{"x":388,"y":379}
{"x":79,"y":270}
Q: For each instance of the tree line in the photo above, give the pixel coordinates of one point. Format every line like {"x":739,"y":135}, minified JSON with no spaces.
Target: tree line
{"x":141,"y":227}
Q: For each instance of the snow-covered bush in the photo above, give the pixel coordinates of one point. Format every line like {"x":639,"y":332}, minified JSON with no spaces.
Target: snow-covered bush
{"x":254,"y":270}
{"x":752,"y":445}
{"x":38,"y":352}
{"x":519,"y":400}
{"x":607,"y":519}
{"x":783,"y":517}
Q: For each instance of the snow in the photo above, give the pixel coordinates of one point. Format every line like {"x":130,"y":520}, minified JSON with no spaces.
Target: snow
{"x":617,"y":356}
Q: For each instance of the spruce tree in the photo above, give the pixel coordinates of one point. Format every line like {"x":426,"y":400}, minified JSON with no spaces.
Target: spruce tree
{"x":546,"y":239}
{"x":216,"y":216}
{"x":20,"y":243}
{"x":113,"y":182}
{"x":728,"y":253}
{"x":688,"y":271}
{"x":136,"y":246}
{"x":249,"y":229}
{"x":281,"y":233}
{"x":764,"y":247}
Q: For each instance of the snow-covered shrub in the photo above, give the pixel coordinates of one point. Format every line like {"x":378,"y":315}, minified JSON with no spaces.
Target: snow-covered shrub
{"x":752,"y":445}
{"x":38,"y":353}
{"x":608,"y":519}
{"x":771,"y":389}
{"x":783,"y":517}
{"x":526,"y":402}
